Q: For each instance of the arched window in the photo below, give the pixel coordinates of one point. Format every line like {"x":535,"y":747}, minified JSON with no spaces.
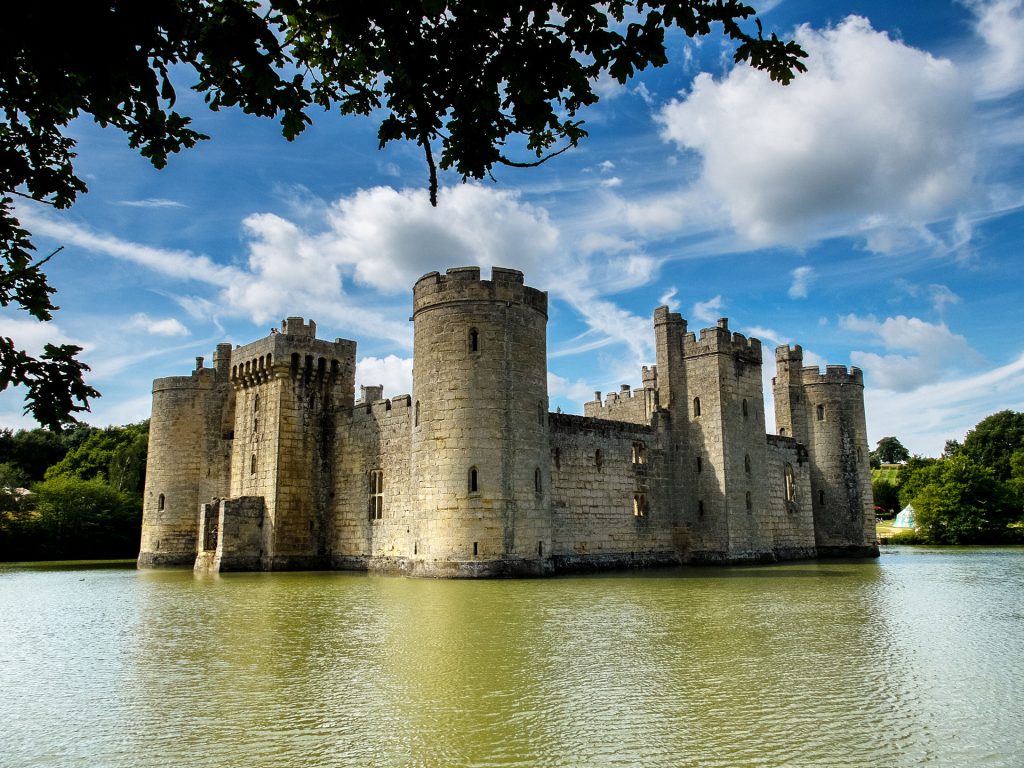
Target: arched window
{"x":821,"y":413}
{"x":639,"y":453}
{"x":700,"y":464}
{"x":745,"y":412}
{"x":790,"y":482}
{"x":537,"y":487}
{"x":860,"y":456}
{"x":160,"y":501}
{"x":746,"y":463}
{"x":639,"y":505}
{"x":474,"y":340}
{"x":750,"y":505}
{"x":256,"y":403}
{"x":473,"y":485}
{"x":696,"y":406}
{"x":252,"y":465}
{"x":782,"y":431}
{"x":376,"y":498}
{"x":416,"y":415}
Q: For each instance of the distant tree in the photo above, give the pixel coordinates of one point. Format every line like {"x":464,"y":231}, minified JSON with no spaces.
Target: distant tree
{"x":471,"y":79}
{"x":34,"y":450}
{"x":914,"y":475}
{"x":951,"y":448}
{"x":994,"y":441}
{"x":116,"y":455}
{"x":891,"y":451}
{"x":963,"y":503}
{"x":886,"y":495}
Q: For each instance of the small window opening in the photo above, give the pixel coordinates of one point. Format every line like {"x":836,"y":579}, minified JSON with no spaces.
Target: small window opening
{"x":860,"y":456}
{"x":540,"y":549}
{"x":416,"y":416}
{"x":473,"y":486}
{"x":476,"y":548}
{"x":700,"y":464}
{"x":376,"y":498}
{"x":696,"y":406}
{"x":160,"y":501}
{"x":415,"y":547}
{"x":782,"y":431}
{"x":821,"y":413}
{"x":255,"y":426}
{"x":558,"y":458}
{"x":252,"y":465}
{"x":639,"y":505}
{"x":537,"y":486}
{"x":700,"y":508}
{"x":821,"y":497}
{"x":750,"y":504}
{"x":746,"y":414}
{"x":639,"y":453}
{"x":474,"y":340}
{"x":256,"y":403}
{"x":746,"y":463}
{"x":790,"y":483}
{"x":598,"y":458}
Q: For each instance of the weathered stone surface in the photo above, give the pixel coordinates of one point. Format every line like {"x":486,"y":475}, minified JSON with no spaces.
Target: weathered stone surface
{"x":267,"y":461}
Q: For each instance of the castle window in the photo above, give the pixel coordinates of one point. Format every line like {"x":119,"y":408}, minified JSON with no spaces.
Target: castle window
{"x":782,"y":431}
{"x":745,"y":412}
{"x":557,"y":453}
{"x":376,"y":502}
{"x":700,"y":508}
{"x":160,"y":501}
{"x":696,"y":406}
{"x":639,"y":505}
{"x":598,"y":458}
{"x":295,"y":362}
{"x":416,"y":416}
{"x":746,"y":463}
{"x":270,"y":357}
{"x":821,"y":413}
{"x":639,"y":453}
{"x":700,"y":464}
{"x":476,"y":548}
{"x":473,"y":485}
{"x":474,"y":340}
{"x":750,"y":505}
{"x":537,"y":486}
{"x":256,"y":404}
{"x":790,"y":482}
{"x":252,"y":465}
{"x":860,"y":456}
{"x":540,"y":549}
{"x":255,"y":426}
{"x":821,"y":498}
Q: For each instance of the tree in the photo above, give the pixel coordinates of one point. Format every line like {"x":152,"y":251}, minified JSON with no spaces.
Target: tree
{"x":469,"y":78}
{"x":963,"y":503}
{"x":116,"y":455}
{"x":891,"y":451}
{"x":994,"y":440}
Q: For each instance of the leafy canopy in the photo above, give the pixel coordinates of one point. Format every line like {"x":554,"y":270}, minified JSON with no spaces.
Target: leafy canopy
{"x":468,"y":77}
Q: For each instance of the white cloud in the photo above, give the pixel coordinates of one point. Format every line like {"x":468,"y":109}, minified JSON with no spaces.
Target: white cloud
{"x":166,"y":327}
{"x":607,"y":165}
{"x":708,"y":311}
{"x":769,"y":336}
{"x":32,"y":335}
{"x":612,"y":182}
{"x":668,"y":299}
{"x":152,"y":202}
{"x":1000,"y":24}
{"x":393,"y":372}
{"x":876,"y":135}
{"x":940,"y":296}
{"x":575,"y":392}
{"x":802,"y":277}
{"x":933,"y":351}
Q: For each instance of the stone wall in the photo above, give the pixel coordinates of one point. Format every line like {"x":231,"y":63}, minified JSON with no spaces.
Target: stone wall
{"x":789,"y":518}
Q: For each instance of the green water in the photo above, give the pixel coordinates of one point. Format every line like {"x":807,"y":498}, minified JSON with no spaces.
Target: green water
{"x":917,"y":658}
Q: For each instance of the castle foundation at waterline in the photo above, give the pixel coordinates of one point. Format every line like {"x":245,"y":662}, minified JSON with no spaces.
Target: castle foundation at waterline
{"x":266,"y":461}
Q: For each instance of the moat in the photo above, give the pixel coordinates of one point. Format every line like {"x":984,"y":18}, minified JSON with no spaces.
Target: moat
{"x":914,"y":658}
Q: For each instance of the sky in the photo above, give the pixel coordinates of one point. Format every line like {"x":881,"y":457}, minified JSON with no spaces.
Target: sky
{"x":872,"y":212}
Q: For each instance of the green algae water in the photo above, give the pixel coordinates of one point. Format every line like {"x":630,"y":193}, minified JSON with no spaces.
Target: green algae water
{"x":914,"y":659}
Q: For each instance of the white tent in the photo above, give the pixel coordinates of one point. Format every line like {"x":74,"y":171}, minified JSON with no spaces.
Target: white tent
{"x":905,"y":519}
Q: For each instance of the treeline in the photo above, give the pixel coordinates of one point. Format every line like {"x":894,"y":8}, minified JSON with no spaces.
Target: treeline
{"x":972,"y":494}
{"x":72,"y":495}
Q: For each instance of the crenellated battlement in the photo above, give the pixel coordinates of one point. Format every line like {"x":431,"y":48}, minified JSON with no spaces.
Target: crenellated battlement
{"x":719,"y":340}
{"x":383,"y":410}
{"x":295,"y":326}
{"x":463,"y":284}
{"x":790,"y":354}
{"x":201,"y":378}
{"x":294,"y":352}
{"x":834,"y":374}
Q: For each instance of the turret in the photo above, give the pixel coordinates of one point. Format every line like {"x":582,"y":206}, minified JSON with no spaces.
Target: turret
{"x":480,"y":454}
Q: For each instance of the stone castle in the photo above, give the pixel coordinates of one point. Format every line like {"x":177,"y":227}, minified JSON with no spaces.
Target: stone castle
{"x":267,"y":461}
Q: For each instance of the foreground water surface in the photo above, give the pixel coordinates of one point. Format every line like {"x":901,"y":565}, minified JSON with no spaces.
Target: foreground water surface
{"x":914,"y":659}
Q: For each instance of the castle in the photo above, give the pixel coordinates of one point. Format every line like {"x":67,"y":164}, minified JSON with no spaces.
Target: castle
{"x":266,"y":461}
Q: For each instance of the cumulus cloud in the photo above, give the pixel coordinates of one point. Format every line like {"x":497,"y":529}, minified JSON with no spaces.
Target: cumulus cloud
{"x":802,"y":277}
{"x":708,"y":311}
{"x":167,"y":327}
{"x":929,"y":350}
{"x":668,"y":299}
{"x":876,"y":136}
{"x":391,"y":371}
{"x":611,"y":182}
{"x":32,"y":335}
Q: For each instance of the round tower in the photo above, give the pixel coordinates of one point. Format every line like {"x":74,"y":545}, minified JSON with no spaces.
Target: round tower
{"x":844,"y":520}
{"x":177,"y":444}
{"x":480,"y":455}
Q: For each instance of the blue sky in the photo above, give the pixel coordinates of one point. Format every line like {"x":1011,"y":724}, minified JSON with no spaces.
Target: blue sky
{"x":872,"y":212}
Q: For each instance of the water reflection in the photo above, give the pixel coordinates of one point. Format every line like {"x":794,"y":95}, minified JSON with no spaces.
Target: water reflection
{"x":915,"y":658}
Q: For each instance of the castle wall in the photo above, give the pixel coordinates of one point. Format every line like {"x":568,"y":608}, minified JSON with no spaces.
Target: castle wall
{"x":789,"y":517}
{"x":375,"y":438}
{"x":598,"y":471}
{"x":636,"y":407}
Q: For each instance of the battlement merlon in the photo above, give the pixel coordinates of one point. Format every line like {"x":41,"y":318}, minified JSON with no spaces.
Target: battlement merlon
{"x":793,"y":355}
{"x":297,"y":351}
{"x":201,"y":378}
{"x":834,"y":374}
{"x":463,"y":284}
{"x":719,"y":340}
